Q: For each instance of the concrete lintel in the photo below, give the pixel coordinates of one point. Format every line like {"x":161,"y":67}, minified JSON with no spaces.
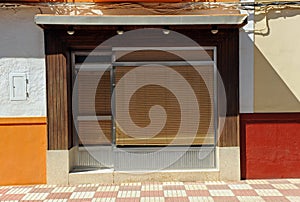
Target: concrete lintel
{"x":229,"y":19}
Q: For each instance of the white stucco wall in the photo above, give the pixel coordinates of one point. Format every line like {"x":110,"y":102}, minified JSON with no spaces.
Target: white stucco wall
{"x":22,"y":51}
{"x":35,"y":104}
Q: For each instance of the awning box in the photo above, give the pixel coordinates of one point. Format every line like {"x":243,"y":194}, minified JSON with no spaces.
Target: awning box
{"x":214,"y":19}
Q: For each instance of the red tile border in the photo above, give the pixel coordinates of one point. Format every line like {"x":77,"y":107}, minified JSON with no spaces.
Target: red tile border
{"x":106,"y":194}
{"x":12,"y":197}
{"x":41,"y":190}
{"x":262,"y":186}
{"x":174,"y":187}
{"x":130,"y":188}
{"x":127,"y":200}
{"x":197,"y":192}
{"x":290,"y":192}
{"x":59,"y":195}
{"x":152,"y":193}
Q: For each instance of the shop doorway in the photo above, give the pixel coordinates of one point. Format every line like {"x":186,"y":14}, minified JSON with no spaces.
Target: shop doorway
{"x":108,"y":97}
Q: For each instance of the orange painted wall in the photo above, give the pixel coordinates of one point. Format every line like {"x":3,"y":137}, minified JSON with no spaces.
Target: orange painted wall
{"x":23,"y":145}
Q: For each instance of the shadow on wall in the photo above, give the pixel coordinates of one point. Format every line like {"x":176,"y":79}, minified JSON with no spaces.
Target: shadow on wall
{"x":276,"y":86}
{"x":271,"y":94}
{"x":271,"y":15}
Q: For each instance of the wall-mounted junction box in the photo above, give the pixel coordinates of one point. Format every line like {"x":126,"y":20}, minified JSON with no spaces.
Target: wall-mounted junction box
{"x":18,"y":86}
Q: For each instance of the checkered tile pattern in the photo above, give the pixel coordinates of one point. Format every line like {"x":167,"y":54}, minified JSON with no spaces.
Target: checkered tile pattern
{"x":249,"y":190}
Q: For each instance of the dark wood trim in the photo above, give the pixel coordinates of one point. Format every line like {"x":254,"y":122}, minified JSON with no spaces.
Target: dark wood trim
{"x":59,"y":88}
{"x":229,"y":71}
{"x":271,"y":117}
{"x":58,"y":92}
{"x":243,"y":147}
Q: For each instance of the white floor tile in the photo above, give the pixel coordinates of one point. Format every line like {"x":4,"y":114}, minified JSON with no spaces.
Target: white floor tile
{"x":221,"y":192}
{"x":82,"y":195}
{"x":35,"y":196}
{"x":268,"y":192}
{"x":174,"y":193}
{"x":200,"y":198}
{"x":250,"y":198}
{"x":108,"y":188}
{"x":240,"y":186}
{"x":63,"y":189}
{"x":195,"y":187}
{"x":152,"y":199}
{"x":19,"y":190}
{"x":285,"y":186}
{"x":128,"y":194}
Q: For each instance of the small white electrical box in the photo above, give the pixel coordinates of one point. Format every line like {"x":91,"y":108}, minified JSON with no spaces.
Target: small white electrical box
{"x":18,"y":86}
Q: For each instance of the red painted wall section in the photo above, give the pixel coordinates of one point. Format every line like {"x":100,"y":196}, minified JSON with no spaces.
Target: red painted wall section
{"x":271,"y":147}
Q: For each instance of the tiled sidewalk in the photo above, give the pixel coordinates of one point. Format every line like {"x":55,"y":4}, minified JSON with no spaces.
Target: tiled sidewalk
{"x":249,"y":190}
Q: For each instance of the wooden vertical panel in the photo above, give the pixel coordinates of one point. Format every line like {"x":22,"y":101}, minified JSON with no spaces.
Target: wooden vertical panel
{"x":68,"y":94}
{"x":49,"y":101}
{"x":228,"y":67}
{"x":57,"y":92}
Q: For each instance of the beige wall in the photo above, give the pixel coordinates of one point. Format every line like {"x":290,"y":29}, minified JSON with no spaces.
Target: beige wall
{"x":277,"y":61}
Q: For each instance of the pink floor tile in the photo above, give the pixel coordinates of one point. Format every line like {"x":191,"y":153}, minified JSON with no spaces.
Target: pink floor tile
{"x":291,"y":192}
{"x":130,"y":188}
{"x":11,"y":197}
{"x":262,"y":186}
{"x":197,"y":193}
{"x":41,"y":190}
{"x":176,"y":199}
{"x":225,"y":199}
{"x":127,"y":200}
{"x":59,"y":195}
{"x":106,"y":194}
{"x":244,"y":192}
{"x":152,"y":194}
{"x":174,"y":187}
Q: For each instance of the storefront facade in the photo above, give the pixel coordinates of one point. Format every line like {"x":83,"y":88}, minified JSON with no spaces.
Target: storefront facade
{"x":223,"y":159}
{"x":71,"y":126}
